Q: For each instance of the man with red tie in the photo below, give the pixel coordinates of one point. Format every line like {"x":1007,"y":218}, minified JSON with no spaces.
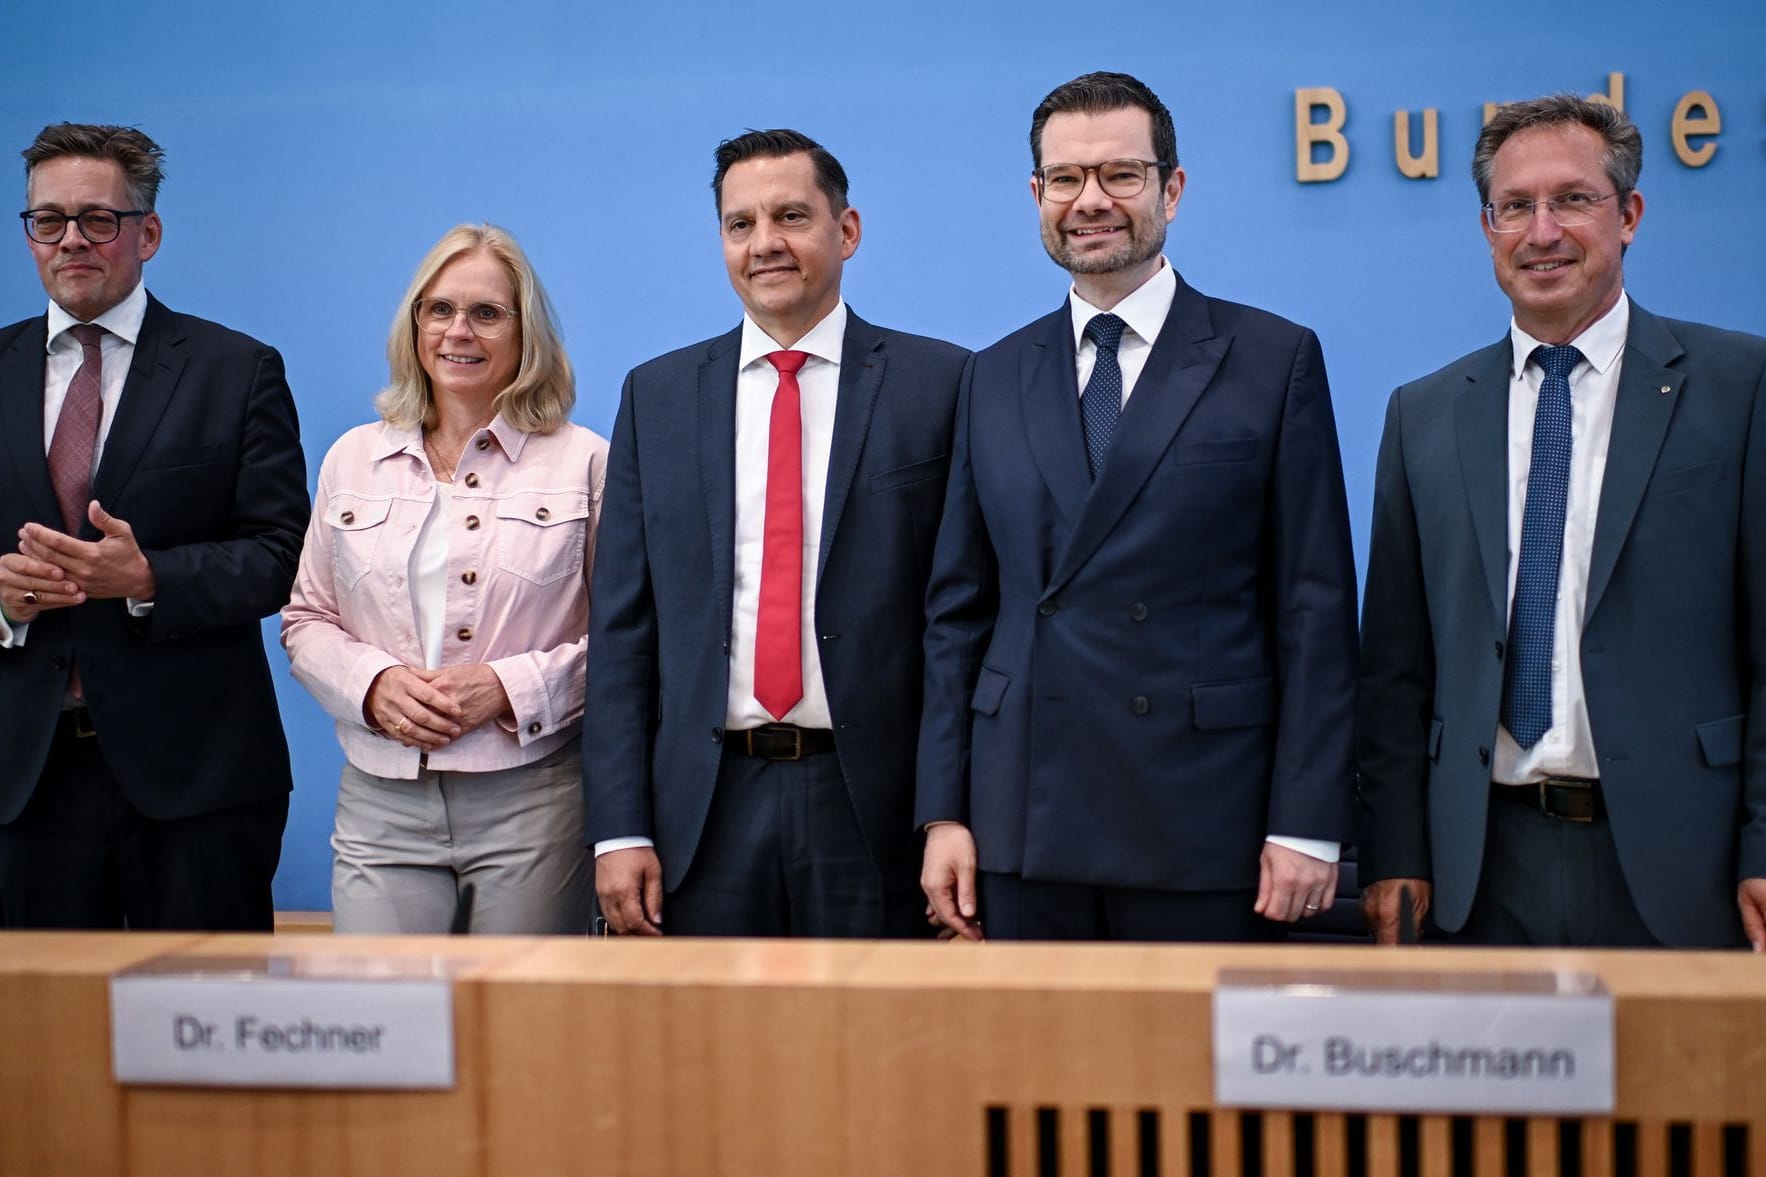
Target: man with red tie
{"x":152,"y":502}
{"x":755,"y":646}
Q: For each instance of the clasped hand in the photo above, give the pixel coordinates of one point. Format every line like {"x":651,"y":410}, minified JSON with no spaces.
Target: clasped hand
{"x":53,"y":570}
{"x":430,"y":709}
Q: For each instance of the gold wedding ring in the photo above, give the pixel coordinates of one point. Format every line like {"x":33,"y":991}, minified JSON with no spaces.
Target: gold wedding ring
{"x":403,"y":724}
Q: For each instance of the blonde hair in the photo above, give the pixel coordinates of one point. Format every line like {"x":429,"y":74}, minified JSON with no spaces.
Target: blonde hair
{"x":540,"y":397}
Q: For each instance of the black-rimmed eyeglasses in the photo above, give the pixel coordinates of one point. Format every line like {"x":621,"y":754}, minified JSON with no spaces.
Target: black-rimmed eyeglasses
{"x":47,"y":226}
{"x":1121,"y":178}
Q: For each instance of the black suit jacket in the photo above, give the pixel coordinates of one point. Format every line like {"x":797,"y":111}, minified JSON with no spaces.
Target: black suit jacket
{"x":203,"y":460}
{"x":659,"y":635}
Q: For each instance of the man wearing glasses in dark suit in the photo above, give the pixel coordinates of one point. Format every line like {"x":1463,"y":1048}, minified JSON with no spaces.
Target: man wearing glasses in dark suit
{"x":152,"y":502}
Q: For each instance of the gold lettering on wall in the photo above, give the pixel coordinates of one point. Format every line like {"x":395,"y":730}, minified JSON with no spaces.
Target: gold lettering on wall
{"x":1425,"y":165}
{"x":1615,"y":95}
{"x":1309,"y":134}
{"x":1695,"y":114}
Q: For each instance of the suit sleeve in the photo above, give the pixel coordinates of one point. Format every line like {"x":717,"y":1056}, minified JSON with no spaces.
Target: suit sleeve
{"x":962,"y":602}
{"x":1313,"y":601}
{"x":1397,"y":677}
{"x":1751,"y":856}
{"x":619,"y":721}
{"x":245,"y":575}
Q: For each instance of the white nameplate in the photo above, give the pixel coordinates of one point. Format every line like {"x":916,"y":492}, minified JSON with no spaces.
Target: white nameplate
{"x":280,"y":1022}
{"x":1532,"y":1043}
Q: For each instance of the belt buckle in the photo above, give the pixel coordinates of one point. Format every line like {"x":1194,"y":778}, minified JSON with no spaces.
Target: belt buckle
{"x":772,"y":730}
{"x":796,"y":743}
{"x":83,"y":729}
{"x":1578,"y":794}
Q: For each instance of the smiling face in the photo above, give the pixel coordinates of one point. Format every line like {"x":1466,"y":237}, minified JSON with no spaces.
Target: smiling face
{"x":85,"y":279}
{"x":459,"y":364}
{"x":1111,"y":245}
{"x":1559,"y":280}
{"x":783,"y":244}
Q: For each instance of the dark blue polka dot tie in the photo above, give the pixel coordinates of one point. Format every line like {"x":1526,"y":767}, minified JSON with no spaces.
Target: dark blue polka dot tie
{"x":1102,"y":403}
{"x":1526,"y":685}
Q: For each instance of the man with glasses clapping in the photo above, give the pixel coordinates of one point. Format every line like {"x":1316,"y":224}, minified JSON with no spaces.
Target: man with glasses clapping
{"x":152,"y":499}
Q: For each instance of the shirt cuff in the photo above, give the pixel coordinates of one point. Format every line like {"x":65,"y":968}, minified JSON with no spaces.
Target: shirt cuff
{"x":139,"y":608}
{"x":612,"y":844}
{"x":1311,"y":847}
{"x":12,"y":635}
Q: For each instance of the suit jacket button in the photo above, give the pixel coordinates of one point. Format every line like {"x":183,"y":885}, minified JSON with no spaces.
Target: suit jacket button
{"x":1499,"y":651}
{"x":57,"y":662}
{"x":1047,"y":608}
{"x":535,"y":728}
{"x":717,"y":735}
{"x":1139,"y":705}
{"x":1484,"y":756}
{"x":1137,"y":612}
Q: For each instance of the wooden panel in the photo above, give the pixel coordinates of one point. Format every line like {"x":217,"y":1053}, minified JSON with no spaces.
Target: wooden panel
{"x":1125,"y":1142}
{"x":1174,"y":1142}
{"x":1597,"y":1148}
{"x":1435,"y":1146}
{"x":1707,"y":1149}
{"x":1489,"y":1151}
{"x":1382,"y":1146}
{"x":1542,"y":1147}
{"x":1652,"y":1148}
{"x":1330,"y":1143}
{"x":1226,"y":1151}
{"x":1278,"y":1144}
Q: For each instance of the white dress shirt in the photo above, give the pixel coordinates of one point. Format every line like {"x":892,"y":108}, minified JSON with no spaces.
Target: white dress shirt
{"x":1567,"y":749}
{"x":756,"y":382}
{"x":1144,"y":313}
{"x":122,"y":327}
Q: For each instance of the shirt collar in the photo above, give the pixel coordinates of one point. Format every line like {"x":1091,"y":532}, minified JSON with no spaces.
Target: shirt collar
{"x":1144,"y":311}
{"x":1600,"y":345}
{"x":824,"y":341}
{"x":400,"y":439}
{"x":122,"y":320}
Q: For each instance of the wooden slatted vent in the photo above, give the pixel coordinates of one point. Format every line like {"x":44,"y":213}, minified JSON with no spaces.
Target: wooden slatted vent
{"x":1152,"y":1142}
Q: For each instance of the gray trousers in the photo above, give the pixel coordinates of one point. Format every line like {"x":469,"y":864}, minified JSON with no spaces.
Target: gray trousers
{"x":404,"y":850}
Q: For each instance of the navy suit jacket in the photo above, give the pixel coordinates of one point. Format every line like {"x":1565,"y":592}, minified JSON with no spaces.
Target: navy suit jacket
{"x":659,"y":636}
{"x":203,"y":460}
{"x":1133,"y":681}
{"x":1673,"y":636}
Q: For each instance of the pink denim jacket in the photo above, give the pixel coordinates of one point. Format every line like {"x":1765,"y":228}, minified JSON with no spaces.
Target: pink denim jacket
{"x":526,"y":506}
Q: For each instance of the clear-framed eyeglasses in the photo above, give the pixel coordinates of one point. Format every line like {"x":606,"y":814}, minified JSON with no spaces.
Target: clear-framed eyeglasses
{"x":487,"y":320}
{"x":1569,"y":210}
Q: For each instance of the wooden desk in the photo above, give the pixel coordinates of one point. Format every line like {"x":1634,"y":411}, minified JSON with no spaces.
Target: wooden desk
{"x":704,"y":1058}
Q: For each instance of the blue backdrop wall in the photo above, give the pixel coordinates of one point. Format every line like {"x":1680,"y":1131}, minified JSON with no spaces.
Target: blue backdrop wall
{"x":317,"y":150}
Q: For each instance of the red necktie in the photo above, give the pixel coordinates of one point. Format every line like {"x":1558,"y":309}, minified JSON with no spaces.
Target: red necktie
{"x":76,"y":430}
{"x":778,"y":629}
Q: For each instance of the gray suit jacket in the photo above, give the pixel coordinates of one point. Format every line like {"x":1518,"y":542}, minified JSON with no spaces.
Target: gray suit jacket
{"x":1673,"y":642}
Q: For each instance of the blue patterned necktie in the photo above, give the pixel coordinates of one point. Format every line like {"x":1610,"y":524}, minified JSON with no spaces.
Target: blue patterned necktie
{"x":1102,"y":402}
{"x":1526,"y":684}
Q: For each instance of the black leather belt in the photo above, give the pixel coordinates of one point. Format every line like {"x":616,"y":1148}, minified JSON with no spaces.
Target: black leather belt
{"x":76,"y":722}
{"x":781,"y":741}
{"x":1567,"y":798}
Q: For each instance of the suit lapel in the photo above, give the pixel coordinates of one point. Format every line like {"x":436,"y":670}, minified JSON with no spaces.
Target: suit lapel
{"x":1645,"y":405}
{"x":862,"y":363}
{"x":1050,"y":404}
{"x":1179,"y":367}
{"x":159,"y":361}
{"x":717,"y":460}
{"x":1481,"y":425}
{"x":21,"y":416}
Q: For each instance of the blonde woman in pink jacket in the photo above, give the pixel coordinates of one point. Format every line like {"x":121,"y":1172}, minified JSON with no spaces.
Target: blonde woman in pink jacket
{"x":441,"y":612}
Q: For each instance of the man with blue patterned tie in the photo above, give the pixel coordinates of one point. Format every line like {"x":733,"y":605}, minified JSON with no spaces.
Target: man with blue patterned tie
{"x":1141,"y":620}
{"x":1562,"y":700}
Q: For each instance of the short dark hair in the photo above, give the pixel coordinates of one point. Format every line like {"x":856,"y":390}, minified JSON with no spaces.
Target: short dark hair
{"x":141,"y":159}
{"x":1623,"y":159}
{"x":1100,"y":93}
{"x":780,"y":143}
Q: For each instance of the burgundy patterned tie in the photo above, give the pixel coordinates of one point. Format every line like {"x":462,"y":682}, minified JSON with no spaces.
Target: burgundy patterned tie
{"x":76,"y":430}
